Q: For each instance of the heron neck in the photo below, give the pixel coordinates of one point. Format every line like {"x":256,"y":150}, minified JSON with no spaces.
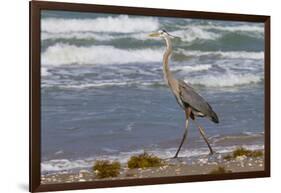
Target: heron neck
{"x":166,"y":69}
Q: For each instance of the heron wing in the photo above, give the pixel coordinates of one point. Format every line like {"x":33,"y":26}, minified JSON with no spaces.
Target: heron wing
{"x":191,"y":98}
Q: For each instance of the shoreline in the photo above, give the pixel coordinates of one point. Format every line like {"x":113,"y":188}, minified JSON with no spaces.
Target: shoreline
{"x":180,"y":166}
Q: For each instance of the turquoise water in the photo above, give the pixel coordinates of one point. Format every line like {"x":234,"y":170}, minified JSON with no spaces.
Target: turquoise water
{"x":103,"y":93}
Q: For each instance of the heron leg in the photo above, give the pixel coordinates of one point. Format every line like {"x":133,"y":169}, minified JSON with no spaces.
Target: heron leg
{"x":203,"y":134}
{"x":187,"y":113}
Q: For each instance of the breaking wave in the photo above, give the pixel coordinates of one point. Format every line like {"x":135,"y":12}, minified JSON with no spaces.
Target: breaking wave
{"x":187,"y":35}
{"x":77,"y":35}
{"x":62,"y":54}
{"x":119,"y":24}
{"x":193,"y":33}
{"x":229,"y":54}
{"x":225,"y":80}
{"x":237,"y":28}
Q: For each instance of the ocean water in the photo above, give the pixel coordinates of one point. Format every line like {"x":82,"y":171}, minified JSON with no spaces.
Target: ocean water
{"x":103,"y":94}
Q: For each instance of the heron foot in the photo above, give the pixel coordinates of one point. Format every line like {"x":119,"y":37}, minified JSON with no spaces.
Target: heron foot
{"x":212,"y":153}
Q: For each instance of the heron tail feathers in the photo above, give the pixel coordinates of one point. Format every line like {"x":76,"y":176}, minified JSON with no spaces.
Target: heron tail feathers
{"x":214,"y":117}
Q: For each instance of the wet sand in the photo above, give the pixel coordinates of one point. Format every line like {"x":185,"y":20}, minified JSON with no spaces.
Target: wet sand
{"x":173,"y":167}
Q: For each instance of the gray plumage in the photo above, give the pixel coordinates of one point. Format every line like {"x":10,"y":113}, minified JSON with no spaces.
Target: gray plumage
{"x":190,"y":101}
{"x":199,"y":106}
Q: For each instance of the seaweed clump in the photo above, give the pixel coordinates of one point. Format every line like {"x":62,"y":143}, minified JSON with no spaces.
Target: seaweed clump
{"x":106,"y":169}
{"x":144,"y":160}
{"x":244,"y":152}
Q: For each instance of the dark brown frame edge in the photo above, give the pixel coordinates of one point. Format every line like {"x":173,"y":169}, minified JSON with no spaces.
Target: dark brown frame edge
{"x":35,"y":98}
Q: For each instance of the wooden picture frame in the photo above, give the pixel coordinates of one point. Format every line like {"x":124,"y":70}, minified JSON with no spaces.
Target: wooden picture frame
{"x":35,"y":94}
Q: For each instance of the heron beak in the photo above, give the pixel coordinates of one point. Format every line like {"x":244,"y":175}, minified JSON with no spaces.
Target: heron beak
{"x":156,"y":34}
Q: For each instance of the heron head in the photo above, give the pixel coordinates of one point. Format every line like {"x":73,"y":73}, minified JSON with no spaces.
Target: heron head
{"x":161,"y":33}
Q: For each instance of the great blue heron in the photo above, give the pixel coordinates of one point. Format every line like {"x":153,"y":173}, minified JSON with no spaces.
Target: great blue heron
{"x":190,"y":101}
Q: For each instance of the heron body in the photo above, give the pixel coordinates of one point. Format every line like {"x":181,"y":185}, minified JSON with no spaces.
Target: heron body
{"x":189,"y":100}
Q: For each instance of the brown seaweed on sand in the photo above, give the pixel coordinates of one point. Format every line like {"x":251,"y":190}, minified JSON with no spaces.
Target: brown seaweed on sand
{"x":106,"y":169}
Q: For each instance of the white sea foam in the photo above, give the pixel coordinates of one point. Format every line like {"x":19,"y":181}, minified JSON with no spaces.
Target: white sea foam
{"x":93,"y":85}
{"x":57,"y":165}
{"x":242,"y":136}
{"x":225,"y":80}
{"x":96,"y":36}
{"x":253,"y":134}
{"x":64,"y":164}
{"x":63,"y":54}
{"x":118,"y":24}
{"x":78,"y":35}
{"x":233,"y":28}
{"x":248,"y":28}
{"x":230,"y":54}
{"x":188,"y":35}
{"x":242,"y":54}
{"x":192,"y":33}
{"x":104,"y":84}
{"x":194,"y":68}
